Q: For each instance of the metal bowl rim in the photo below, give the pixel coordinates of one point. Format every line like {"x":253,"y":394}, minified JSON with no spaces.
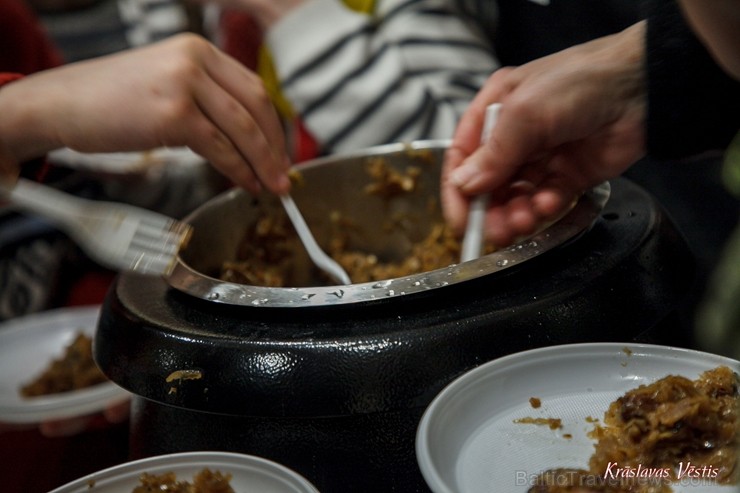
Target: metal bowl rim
{"x":577,"y":221}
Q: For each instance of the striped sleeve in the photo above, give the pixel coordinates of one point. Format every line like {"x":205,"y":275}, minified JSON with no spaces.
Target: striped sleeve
{"x":406,"y":72}
{"x":148,"y":21}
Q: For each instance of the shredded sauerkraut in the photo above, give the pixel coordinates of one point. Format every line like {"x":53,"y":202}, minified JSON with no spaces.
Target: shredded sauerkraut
{"x":672,"y":430}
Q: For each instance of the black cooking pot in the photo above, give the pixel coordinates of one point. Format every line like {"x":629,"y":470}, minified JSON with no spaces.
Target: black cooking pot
{"x":331,"y":381}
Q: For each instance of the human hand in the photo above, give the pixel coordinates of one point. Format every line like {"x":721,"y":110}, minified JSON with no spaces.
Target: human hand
{"x":568,"y":122}
{"x":265,"y":12}
{"x":179,"y":92}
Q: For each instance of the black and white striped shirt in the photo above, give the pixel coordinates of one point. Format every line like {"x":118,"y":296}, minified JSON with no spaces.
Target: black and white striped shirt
{"x":405,"y":72}
{"x":408,"y":70}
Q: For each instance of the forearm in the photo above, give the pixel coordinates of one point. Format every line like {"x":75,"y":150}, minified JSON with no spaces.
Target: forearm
{"x":374,"y":79}
{"x":17,"y":128}
{"x":178,"y":92}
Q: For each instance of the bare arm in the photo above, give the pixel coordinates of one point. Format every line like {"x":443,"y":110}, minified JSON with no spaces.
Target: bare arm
{"x":179,"y":92}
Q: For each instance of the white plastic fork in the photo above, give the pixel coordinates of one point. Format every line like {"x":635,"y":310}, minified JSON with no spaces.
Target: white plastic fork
{"x":473,"y":239}
{"x":119,"y":236}
{"x":319,"y":256}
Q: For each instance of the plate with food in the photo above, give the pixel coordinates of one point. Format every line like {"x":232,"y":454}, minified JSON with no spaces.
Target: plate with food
{"x":46,"y":367}
{"x":206,"y":472}
{"x":605,"y":417}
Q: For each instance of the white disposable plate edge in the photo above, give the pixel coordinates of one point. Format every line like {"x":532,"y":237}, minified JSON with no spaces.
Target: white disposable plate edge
{"x":70,"y":404}
{"x":458,"y":387}
{"x":125,"y":162}
{"x":126,"y":475}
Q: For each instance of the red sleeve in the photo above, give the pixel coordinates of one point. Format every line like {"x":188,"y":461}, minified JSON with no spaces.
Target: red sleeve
{"x":6,"y":77}
{"x":26,"y":47}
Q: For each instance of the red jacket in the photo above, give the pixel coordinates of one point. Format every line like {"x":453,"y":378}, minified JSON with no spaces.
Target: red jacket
{"x":25,"y":46}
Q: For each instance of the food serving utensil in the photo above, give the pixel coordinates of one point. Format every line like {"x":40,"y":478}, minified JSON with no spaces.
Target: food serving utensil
{"x":473,"y":239}
{"x":319,"y":256}
{"x":214,"y":241}
{"x":119,"y":236}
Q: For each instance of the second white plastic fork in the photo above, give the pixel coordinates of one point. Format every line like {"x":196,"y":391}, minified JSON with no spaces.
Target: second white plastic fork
{"x":319,"y":256}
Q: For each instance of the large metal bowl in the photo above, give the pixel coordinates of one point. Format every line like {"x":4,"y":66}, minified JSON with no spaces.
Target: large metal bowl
{"x":385,"y":226}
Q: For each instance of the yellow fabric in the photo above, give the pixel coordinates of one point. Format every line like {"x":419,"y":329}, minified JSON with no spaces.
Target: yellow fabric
{"x":266,"y":70}
{"x":366,"y":6}
{"x":266,"y":67}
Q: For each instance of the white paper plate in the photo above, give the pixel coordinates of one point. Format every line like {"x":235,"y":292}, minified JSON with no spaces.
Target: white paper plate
{"x":249,"y":474}
{"x":125,"y":162}
{"x":468,"y":442}
{"x":27,"y":346}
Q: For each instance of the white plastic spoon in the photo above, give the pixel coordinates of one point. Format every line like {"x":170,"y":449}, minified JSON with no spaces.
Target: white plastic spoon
{"x":473,"y":240}
{"x":319,"y":256}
